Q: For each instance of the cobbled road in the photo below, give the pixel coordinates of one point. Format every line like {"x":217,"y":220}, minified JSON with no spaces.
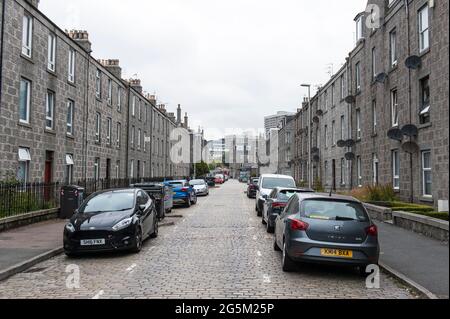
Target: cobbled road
{"x":217,"y":249}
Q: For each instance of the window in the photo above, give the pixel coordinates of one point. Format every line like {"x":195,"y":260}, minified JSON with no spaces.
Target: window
{"x":49,"y":110}
{"x":117,"y":169}
{"x":70,"y":113}
{"x":98,"y":120}
{"x":374,"y":117}
{"x":396,"y":169}
{"x":375,"y":167}
{"x":359,"y":28}
{"x":98,"y":84}
{"x":358,"y":76}
{"x":119,"y":99}
{"x":332,"y":94}
{"x":427,"y":177}
{"x":358,"y":124}
{"x":108,"y":130}
{"x":326,"y":100}
{"x":343,"y":171}
{"x":325,"y":136}
{"x":132,"y":168}
{"x":342,"y":87}
{"x":333,"y":133}
{"x":374,"y":63}
{"x":51,"y":53}
{"x":133,"y":107}
{"x":132,"y":136}
{"x":145,"y":141}
{"x":139,"y":139}
{"x":27,"y":36}
{"x":393,"y":48}
{"x":425,"y":100}
{"x":342,"y":127}
{"x":359,"y":171}
{"x":69,"y":169}
{"x":394,"y":108}
{"x":118,"y":134}
{"x":24,"y":164}
{"x":97,"y":169}
{"x":424,"y":32}
{"x":140,"y":109}
{"x":326,"y":172}
{"x":71,"y":72}
{"x":110,"y":91}
{"x":24,"y":103}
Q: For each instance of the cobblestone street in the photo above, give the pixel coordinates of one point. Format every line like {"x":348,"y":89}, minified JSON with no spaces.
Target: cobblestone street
{"x":217,"y":249}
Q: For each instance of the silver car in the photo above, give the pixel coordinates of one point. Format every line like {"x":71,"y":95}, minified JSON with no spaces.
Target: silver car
{"x":320,"y":228}
{"x":200,"y":187}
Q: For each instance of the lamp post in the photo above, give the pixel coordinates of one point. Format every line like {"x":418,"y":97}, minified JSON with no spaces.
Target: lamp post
{"x":310,"y":184}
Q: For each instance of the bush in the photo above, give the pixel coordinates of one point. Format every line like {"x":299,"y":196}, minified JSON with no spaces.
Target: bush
{"x":318,"y":187}
{"x":381,"y":193}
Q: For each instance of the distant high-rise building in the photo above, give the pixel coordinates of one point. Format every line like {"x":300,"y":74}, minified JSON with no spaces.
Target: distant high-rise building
{"x":276,"y":121}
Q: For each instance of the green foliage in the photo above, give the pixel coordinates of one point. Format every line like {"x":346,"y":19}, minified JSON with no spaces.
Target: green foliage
{"x":318,"y":186}
{"x":383,"y":193}
{"x":202,"y":169}
{"x":301,"y":184}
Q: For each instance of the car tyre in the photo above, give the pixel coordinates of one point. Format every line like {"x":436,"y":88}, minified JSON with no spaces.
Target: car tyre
{"x":70,"y":254}
{"x":155,"y":229}
{"x":275,"y":245}
{"x":137,"y":242}
{"x":188,"y":203}
{"x":194,"y":202}
{"x":263,"y":221}
{"x":270,"y":229}
{"x":287,"y":263}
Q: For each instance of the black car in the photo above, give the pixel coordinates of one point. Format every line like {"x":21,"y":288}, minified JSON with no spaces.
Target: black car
{"x":211,"y":181}
{"x":276,"y":202}
{"x":112,"y":220}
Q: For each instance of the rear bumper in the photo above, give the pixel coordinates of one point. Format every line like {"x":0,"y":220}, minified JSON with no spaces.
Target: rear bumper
{"x":306,"y":250}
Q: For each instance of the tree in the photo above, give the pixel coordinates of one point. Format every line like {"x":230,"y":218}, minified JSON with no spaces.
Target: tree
{"x":202,"y":169}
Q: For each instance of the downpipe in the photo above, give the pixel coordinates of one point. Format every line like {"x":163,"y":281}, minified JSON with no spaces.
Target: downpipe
{"x":1,"y":50}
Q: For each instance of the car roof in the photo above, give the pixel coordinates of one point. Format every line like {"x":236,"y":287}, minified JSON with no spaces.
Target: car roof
{"x":275,"y":176}
{"x":327,"y":196}
{"x":307,"y":190}
{"x":119,"y":190}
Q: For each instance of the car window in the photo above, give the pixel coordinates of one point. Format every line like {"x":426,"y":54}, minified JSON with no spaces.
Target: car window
{"x":273,"y":182}
{"x":287,"y":194}
{"x":290,"y":207}
{"x":144,"y":198}
{"x":109,"y":202}
{"x":333,"y":210}
{"x":197,"y":182}
{"x":176,"y":184}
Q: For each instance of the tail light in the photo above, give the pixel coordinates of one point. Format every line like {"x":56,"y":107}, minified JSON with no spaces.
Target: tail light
{"x":298,"y":224}
{"x":278,"y":205}
{"x":184,"y":189}
{"x":372,"y":231}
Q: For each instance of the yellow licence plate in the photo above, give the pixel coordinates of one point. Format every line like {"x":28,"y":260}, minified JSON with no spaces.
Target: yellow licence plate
{"x":336,"y":253}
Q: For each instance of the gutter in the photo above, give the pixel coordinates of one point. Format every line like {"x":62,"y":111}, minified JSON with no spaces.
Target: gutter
{"x":1,"y":49}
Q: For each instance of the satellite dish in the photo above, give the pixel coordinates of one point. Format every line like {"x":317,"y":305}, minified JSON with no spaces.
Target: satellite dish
{"x":413,"y":62}
{"x":350,"y":99}
{"x":319,"y":112}
{"x":350,"y":143}
{"x":410,"y":147}
{"x":316,"y":119}
{"x":341,"y":143}
{"x":350,"y":156}
{"x":410,"y":130}
{"x":315,"y":150}
{"x":316,"y":158}
{"x":395,"y":134}
{"x":381,"y":78}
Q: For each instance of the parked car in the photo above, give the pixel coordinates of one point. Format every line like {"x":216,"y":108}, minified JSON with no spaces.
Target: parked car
{"x":252,"y":188}
{"x":200,"y":187}
{"x":210,"y":181}
{"x":320,"y":228}
{"x":111,"y":220}
{"x":183,"y":192}
{"x":276,"y":202}
{"x":266,"y":184}
{"x":219,"y":179}
{"x":162,"y":195}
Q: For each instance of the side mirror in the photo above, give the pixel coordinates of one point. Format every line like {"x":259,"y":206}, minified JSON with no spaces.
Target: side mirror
{"x":142,"y":207}
{"x":265,"y":196}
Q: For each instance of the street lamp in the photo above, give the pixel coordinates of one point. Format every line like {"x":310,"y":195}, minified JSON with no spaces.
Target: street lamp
{"x":310,"y":185}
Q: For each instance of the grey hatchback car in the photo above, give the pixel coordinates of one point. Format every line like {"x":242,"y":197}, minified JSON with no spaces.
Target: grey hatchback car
{"x":319,"y":228}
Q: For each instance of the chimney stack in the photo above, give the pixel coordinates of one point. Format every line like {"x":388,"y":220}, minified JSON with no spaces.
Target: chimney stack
{"x":179,"y":114}
{"x":186,"y":126}
{"x":82,"y":38}
{"x":171,"y":116}
{"x":136,"y":84}
{"x":34,"y":3}
{"x":113,"y":66}
{"x":151,"y":98}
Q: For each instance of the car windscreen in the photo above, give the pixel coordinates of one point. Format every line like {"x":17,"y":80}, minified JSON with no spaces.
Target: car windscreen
{"x":255,"y":181}
{"x":197,"y":182}
{"x":272,"y":182}
{"x":338,"y":210}
{"x":109,"y":202}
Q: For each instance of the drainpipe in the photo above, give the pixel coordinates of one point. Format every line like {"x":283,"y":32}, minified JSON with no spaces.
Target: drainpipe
{"x":409,"y":99}
{"x":1,"y":49}
{"x":350,"y":116}
{"x":127,"y":142}
{"x":86,"y":117}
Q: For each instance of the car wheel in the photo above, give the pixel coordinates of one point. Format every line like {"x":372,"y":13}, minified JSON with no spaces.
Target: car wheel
{"x":188,"y":203}
{"x":259,"y":212}
{"x":137,"y":241}
{"x":287,"y":264}
{"x":194,"y":202}
{"x":270,"y":229}
{"x":263,"y":220}
{"x":155,"y":229}
{"x":70,"y":254}
{"x":275,"y":245}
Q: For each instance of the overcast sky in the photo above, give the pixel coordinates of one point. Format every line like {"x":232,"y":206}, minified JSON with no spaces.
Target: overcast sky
{"x":228,"y":62}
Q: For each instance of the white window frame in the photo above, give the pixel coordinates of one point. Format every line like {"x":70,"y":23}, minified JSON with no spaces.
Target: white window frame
{"x":50,"y":110}
{"x":133,"y":107}
{"x":71,"y":66}
{"x":375,"y":168}
{"x":358,"y":76}
{"x":27,"y":102}
{"x":118,"y":134}
{"x":396,"y":169}
{"x":132,"y":135}
{"x":359,"y":170}
{"x":110,"y":91}
{"x":132,"y":168}
{"x":333,"y":133}
{"x":27,"y":35}
{"x":97,"y":169}
{"x":108,"y":130}
{"x":374,"y":117}
{"x":119,"y":98}
{"x":139,"y":139}
{"x":393,"y":48}
{"x":358,"y":124}
{"x":359,"y":29}
{"x":98,"y":84}
{"x":69,"y":168}
{"x":117,"y":169}
{"x":424,"y":28}
{"x":426,"y":170}
{"x":325,"y":137}
{"x":342,"y":127}
{"x":394,"y":108}
{"x":98,"y":125}
{"x":25,"y":159}
{"x":342,"y":87}
{"x":343,"y":171}
{"x":51,"y":53}
{"x":374,"y":62}
{"x":70,"y":117}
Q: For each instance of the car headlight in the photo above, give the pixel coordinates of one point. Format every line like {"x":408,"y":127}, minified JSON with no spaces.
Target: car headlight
{"x":123,"y":224}
{"x":70,"y":227}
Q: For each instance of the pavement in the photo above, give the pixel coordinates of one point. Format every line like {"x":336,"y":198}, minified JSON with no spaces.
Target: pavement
{"x":419,"y":258}
{"x":217,"y":249}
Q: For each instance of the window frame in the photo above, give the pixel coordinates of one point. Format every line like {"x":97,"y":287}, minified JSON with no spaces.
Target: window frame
{"x":395,"y":158}
{"x":394,"y":108}
{"x":424,"y":171}
{"x":98,"y":126}
{"x":424,"y":31}
{"x":393,"y":54}
{"x":71,"y":66}
{"x":27,"y":35}
{"x":71,"y":107}
{"x":27,"y":102}
{"x":51,"y":53}
{"x":50,"y":101}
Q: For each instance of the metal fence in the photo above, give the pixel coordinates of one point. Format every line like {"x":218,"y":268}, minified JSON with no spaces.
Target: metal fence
{"x":17,"y":198}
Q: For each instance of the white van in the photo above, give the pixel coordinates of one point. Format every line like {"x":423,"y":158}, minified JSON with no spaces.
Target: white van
{"x":266,"y":184}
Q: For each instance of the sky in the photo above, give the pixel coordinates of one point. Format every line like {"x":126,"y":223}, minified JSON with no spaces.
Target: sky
{"x":228,"y":63}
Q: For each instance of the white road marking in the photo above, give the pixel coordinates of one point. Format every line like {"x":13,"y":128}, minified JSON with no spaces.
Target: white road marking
{"x":131,"y":267}
{"x":267,"y":279}
{"x":99,"y":294}
{"x":255,"y":238}
{"x":259,"y":254}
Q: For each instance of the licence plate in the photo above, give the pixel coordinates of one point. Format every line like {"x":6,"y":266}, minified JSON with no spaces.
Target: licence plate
{"x":92,"y":242}
{"x":336,"y":253}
